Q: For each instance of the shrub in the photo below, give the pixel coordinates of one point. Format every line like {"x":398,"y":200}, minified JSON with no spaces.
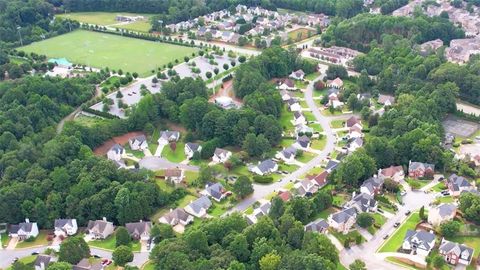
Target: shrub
{"x":262,"y":179}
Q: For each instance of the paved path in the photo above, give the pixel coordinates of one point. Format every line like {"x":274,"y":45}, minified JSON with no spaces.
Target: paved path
{"x":263,"y":190}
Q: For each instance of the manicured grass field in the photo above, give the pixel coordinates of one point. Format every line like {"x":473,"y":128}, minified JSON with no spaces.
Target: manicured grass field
{"x":337,"y":124}
{"x":5,"y":239}
{"x":40,"y":240}
{"x":106,"y":50}
{"x":300,"y":34}
{"x":176,"y":156}
{"x":110,"y":243}
{"x":108,"y":19}
{"x":306,"y":157}
{"x":285,"y":120}
{"x":417,"y":184}
{"x":395,"y":241}
{"x":312,"y":76}
{"x":352,"y":235}
{"x":28,"y":261}
{"x":319,"y":144}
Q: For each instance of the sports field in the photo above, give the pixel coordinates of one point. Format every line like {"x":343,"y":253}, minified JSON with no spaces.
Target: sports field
{"x":108,"y":19}
{"x":106,"y":50}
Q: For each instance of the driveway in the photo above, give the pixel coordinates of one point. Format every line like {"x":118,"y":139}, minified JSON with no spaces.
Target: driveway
{"x":154,"y":163}
{"x":260,"y":191}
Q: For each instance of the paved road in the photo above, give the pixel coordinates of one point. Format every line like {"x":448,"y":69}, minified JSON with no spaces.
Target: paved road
{"x":157,"y":163}
{"x":263,"y":190}
{"x":7,"y":256}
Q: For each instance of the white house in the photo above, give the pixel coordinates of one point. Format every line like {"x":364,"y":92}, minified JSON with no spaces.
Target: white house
{"x":302,"y":143}
{"x":421,"y":242}
{"x":297,"y":75}
{"x":199,"y":207}
{"x":299,"y":118}
{"x":305,"y":188}
{"x":344,"y":220}
{"x":441,"y":213}
{"x":355,"y":144}
{"x":265,"y":167}
{"x":116,"y":152}
{"x":167,"y":137}
{"x":221,"y":155}
{"x":138,"y":143}
{"x":293,"y":105}
{"x":215,"y":191}
{"x":191,"y":148}
{"x":42,"y":262}
{"x":24,"y":230}
{"x":286,"y":84}
{"x":288,"y":154}
{"x":259,"y":212}
{"x":174,"y":175}
{"x":65,"y":227}
{"x":100,"y":229}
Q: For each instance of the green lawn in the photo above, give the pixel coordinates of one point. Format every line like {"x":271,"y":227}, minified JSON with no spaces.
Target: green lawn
{"x":176,"y":156}
{"x":40,"y":240}
{"x":5,"y":239}
{"x":417,"y":184}
{"x":108,"y":19}
{"x":303,"y":104}
{"x":352,"y":235}
{"x":379,"y":221}
{"x":110,"y":244}
{"x":300,"y":34}
{"x":289,"y":186}
{"x":190,"y":176}
{"x":287,"y":142}
{"x":312,"y":76}
{"x":394,"y":260}
{"x":319,"y":144}
{"x":287,"y":168}
{"x":309,"y":116}
{"x":149,"y":266}
{"x":306,"y":157}
{"x":319,"y":93}
{"x":28,"y":261}
{"x":325,"y":213}
{"x":445,"y":199}
{"x":316,"y":127}
{"x":106,"y":50}
{"x":337,"y":124}
{"x":395,"y":241}
{"x":285,"y":120}
{"x":301,"y":84}
{"x":439,"y":187}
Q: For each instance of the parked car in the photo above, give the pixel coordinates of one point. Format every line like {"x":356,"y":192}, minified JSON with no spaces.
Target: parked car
{"x":396,"y":224}
{"x":35,"y":253}
{"x":385,"y":237}
{"x":403,"y":193}
{"x":407,"y":213}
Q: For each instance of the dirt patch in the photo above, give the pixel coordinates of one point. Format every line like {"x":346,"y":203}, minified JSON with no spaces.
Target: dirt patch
{"x":122,"y":140}
{"x":175,"y":127}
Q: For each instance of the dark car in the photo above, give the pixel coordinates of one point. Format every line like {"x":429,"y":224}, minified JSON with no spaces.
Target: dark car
{"x":35,"y":253}
{"x":385,"y":236}
{"x":396,"y":224}
{"x":407,"y":213}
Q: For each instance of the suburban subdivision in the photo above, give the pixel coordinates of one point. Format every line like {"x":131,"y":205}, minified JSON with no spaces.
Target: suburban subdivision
{"x":239,"y":135}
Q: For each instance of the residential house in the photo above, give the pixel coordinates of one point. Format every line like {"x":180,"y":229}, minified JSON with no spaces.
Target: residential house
{"x":352,"y":121}
{"x":65,"y":227}
{"x":138,"y":143}
{"x":293,"y":105}
{"x":23,"y":230}
{"x":342,"y":221}
{"x":42,"y":262}
{"x":298,"y":118}
{"x":116,"y":152}
{"x":420,"y":170}
{"x":302,"y":129}
{"x":100,"y":229}
{"x":216,"y":191}
{"x":302,"y":142}
{"x":199,"y":207}
{"x":455,"y":253}
{"x":372,"y":186}
{"x":226,"y":36}
{"x":458,"y":184}
{"x":167,"y":137}
{"x":355,"y":131}
{"x":336,"y":83}
{"x":363,"y":202}
{"x":286,"y":95}
{"x":259,"y":212}
{"x":265,"y":167}
{"x":421,"y":242}
{"x":318,"y":226}
{"x":85,"y":264}
{"x":355,"y":144}
{"x":286,"y":84}
{"x":393,"y":172}
{"x":221,"y":155}
{"x":386,"y":100}
{"x":305,"y":188}
{"x":334,"y":101}
{"x":174,"y":175}
{"x":331,"y":165}
{"x":191,"y":148}
{"x":285,"y":195}
{"x":320,"y":180}
{"x":139,"y":230}
{"x":441,"y":213}
{"x":288,"y":154}
{"x":234,"y":38}
{"x":298,"y":75}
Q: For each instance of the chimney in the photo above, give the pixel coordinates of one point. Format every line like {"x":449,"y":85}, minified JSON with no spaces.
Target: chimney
{"x":104,"y":219}
{"x":27,"y":220}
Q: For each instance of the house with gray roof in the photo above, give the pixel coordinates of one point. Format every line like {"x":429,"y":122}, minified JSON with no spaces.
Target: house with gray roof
{"x":441,"y":213}
{"x":139,"y":230}
{"x":372,"y":186}
{"x":116,"y":152}
{"x":85,"y":264}
{"x":199,"y":207}
{"x":265,"y":167}
{"x":297,"y":75}
{"x":343,"y":220}
{"x":458,"y":184}
{"x":288,"y":154}
{"x":23,"y":230}
{"x":455,"y":253}
{"x":42,"y":262}
{"x":331,"y":165}
{"x":65,"y":227}
{"x":100,"y":229}
{"x":302,"y":142}
{"x":221,"y":155}
{"x":138,"y":143}
{"x":258,"y":212}
{"x":176,"y":217}
{"x":191,"y":149}
{"x":319,"y":226}
{"x":419,"y":242}
{"x":167,"y":137}
{"x":305,"y":188}
{"x":363,"y":202}
{"x":216,"y":191}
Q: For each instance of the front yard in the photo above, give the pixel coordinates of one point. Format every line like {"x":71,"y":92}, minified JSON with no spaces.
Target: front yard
{"x":395,"y":241}
{"x":110,"y":243}
{"x":379,"y":221}
{"x":353,"y":236}
{"x":176,"y":156}
{"x":305,"y":157}
{"x":28,"y":261}
{"x":5,"y":239}
{"x":417,"y":184}
{"x":337,"y":124}
{"x":40,"y":240}
{"x":319,"y":144}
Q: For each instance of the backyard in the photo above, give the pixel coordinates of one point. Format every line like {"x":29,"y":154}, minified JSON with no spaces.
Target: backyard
{"x":395,"y":241}
{"x":107,"y":50}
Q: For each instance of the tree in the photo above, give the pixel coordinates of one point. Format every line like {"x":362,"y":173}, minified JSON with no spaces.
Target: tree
{"x":197,"y":241}
{"x":208,"y":36}
{"x":357,"y":265}
{"x":225,"y":66}
{"x":18,"y":265}
{"x":242,"y":59}
{"x":335,"y":71}
{"x":450,"y":228}
{"x":154,"y":81}
{"x":300,"y":208}
{"x":270,"y":261}
{"x":59,"y":266}
{"x":208,"y":74}
{"x":422,"y":213}
{"x":365,"y":220}
{"x":160,"y":232}
{"x":122,"y":255}
{"x":122,"y":237}
{"x":239,"y":248}
{"x":242,"y":187}
{"x":73,"y":250}
{"x":277,"y":209}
